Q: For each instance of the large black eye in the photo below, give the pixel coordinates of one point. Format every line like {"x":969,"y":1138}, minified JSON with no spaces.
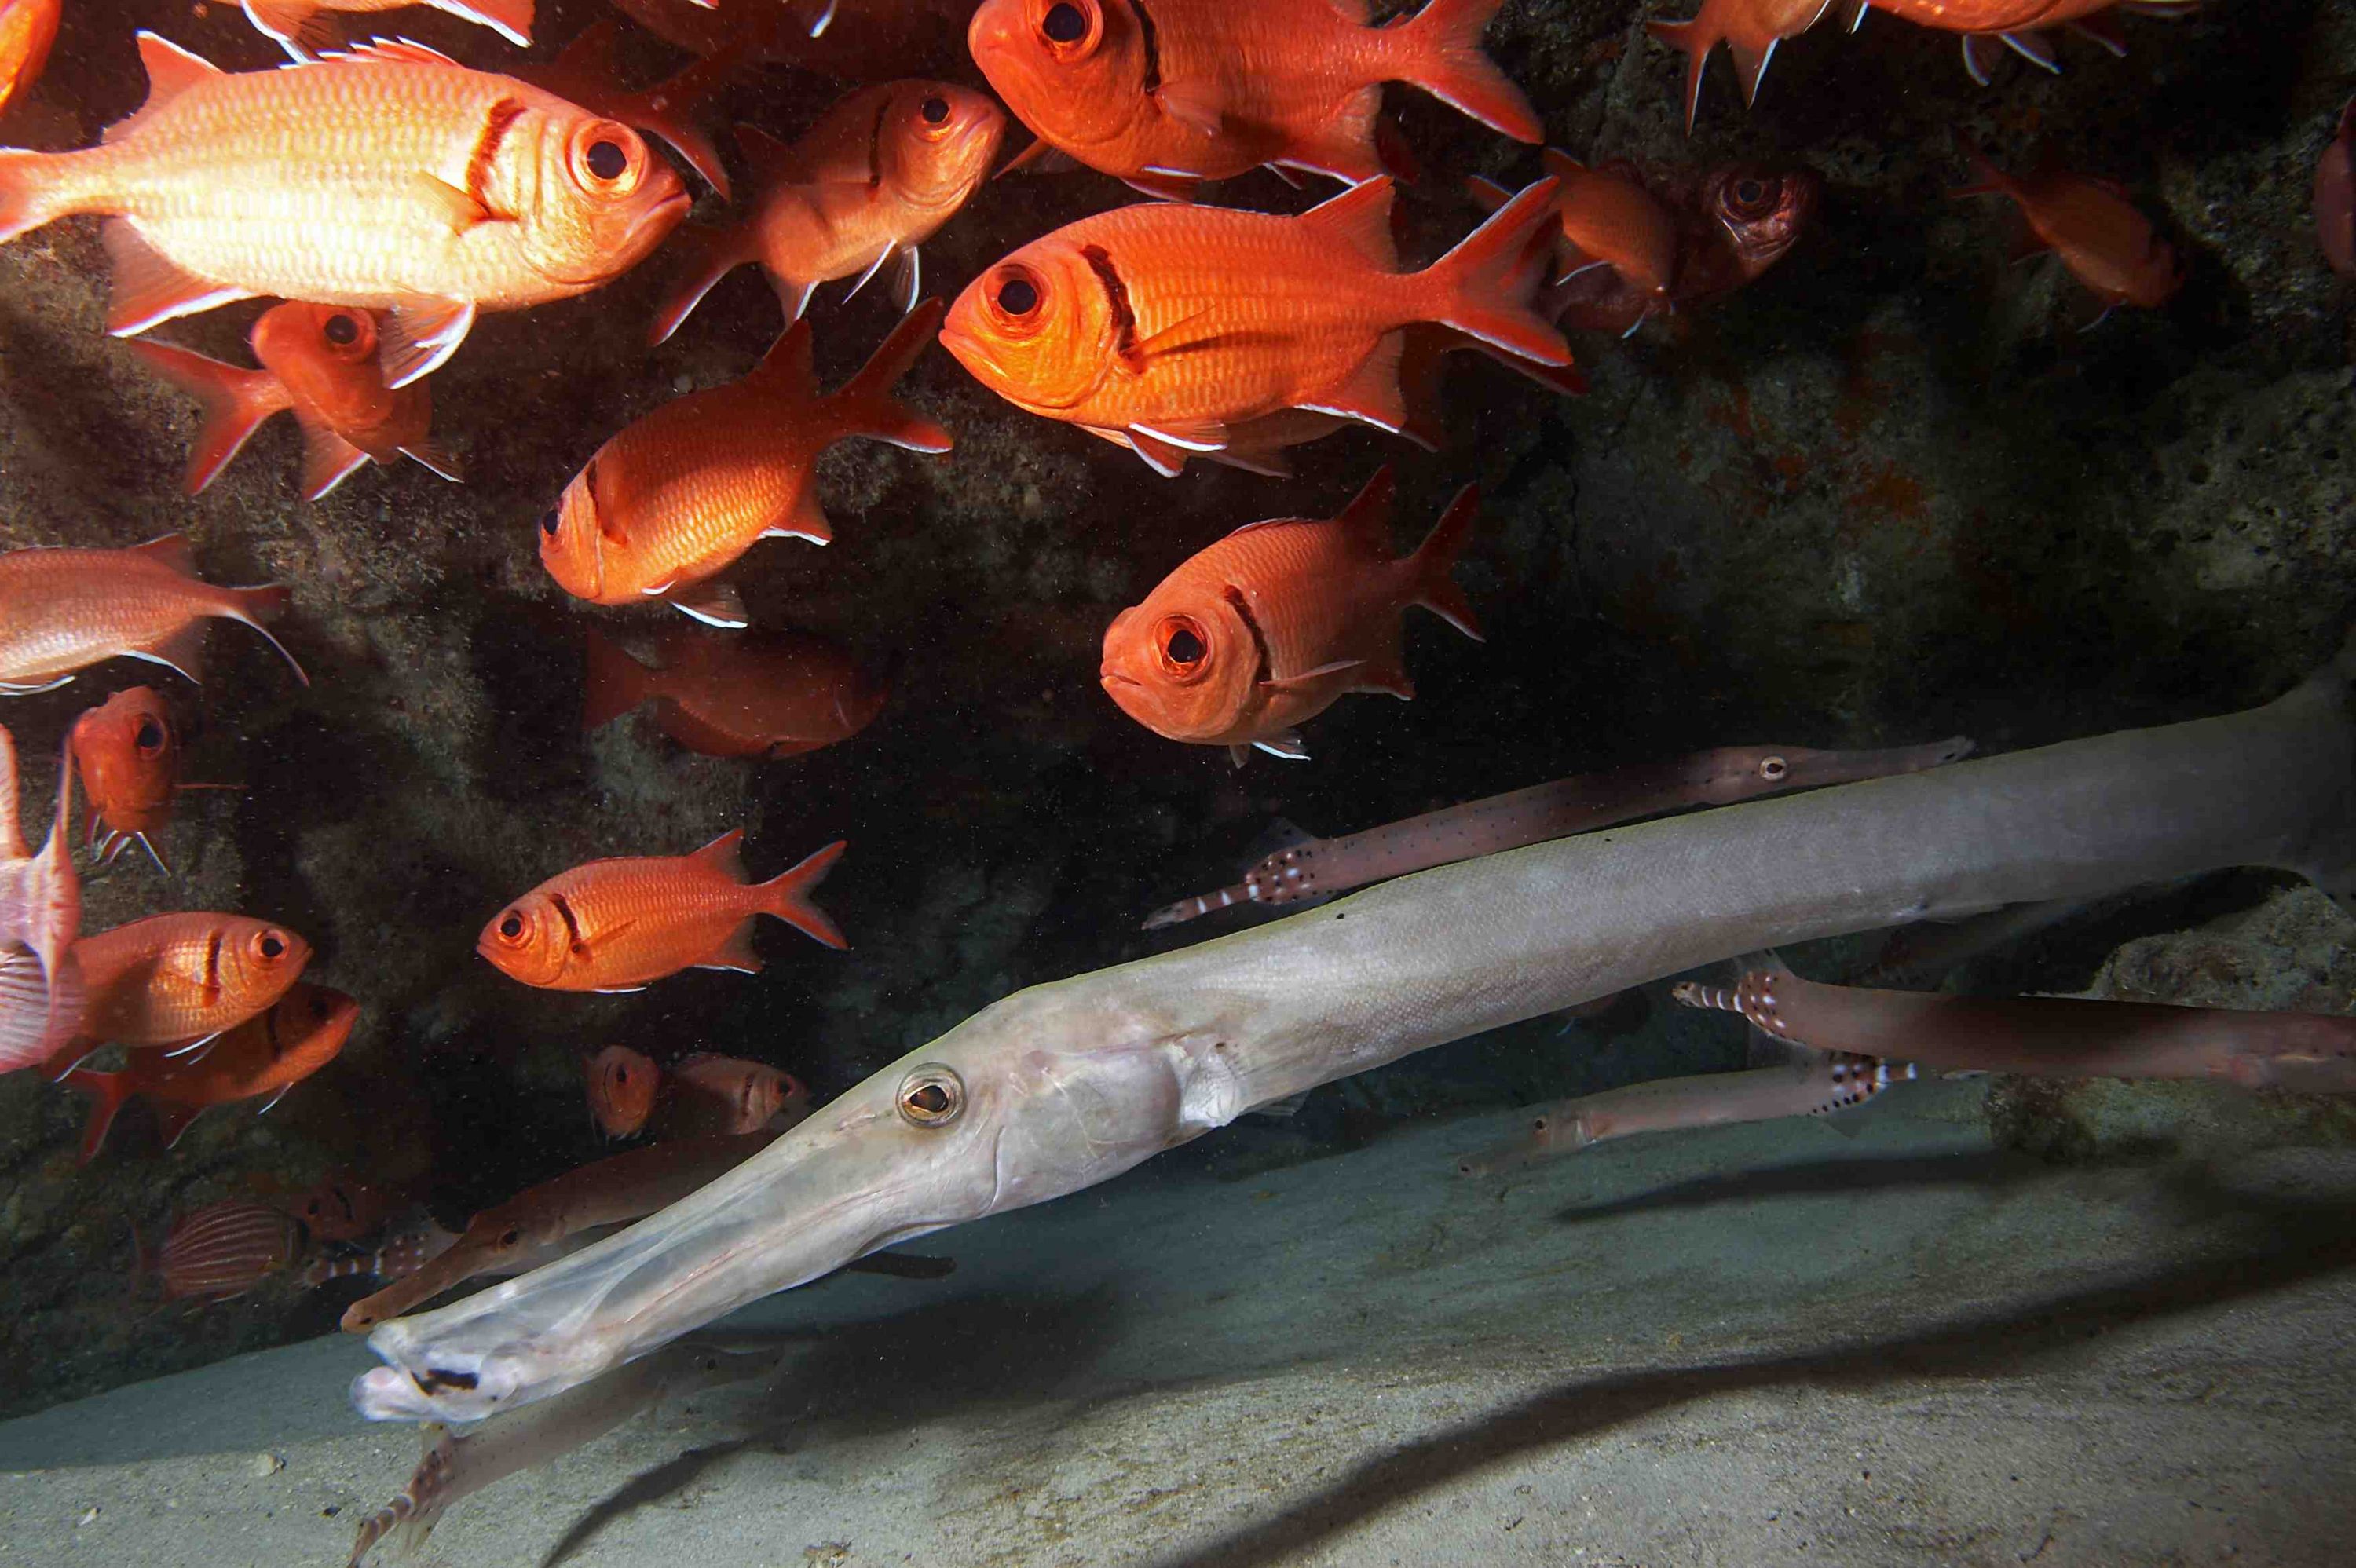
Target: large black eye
{"x":548,"y":521}
{"x":1065,"y":25}
{"x":931,"y":1096}
{"x":1018,"y":296}
{"x":342,"y":330}
{"x":935,"y":109}
{"x":150,"y":739}
{"x":272,"y":947}
{"x":606,"y":160}
{"x":1185,"y":647}
{"x":511,"y":927}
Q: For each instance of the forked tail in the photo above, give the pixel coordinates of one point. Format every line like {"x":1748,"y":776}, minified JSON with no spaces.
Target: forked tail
{"x":1484,"y":289}
{"x":1434,"y":588}
{"x":865,"y":404}
{"x":1439,"y":49}
{"x":235,"y":403}
{"x":786,"y":896}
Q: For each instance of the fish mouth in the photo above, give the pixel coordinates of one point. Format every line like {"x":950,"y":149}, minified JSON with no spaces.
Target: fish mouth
{"x":973,"y":354}
{"x":1109,"y":677}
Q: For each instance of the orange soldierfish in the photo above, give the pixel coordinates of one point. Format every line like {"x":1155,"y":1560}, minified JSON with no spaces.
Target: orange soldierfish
{"x":64,"y":610}
{"x":874,"y":179}
{"x":1168,"y":95}
{"x":267,"y":1054}
{"x":28,"y":29}
{"x":304,"y":28}
{"x":777,"y":695}
{"x":389,"y":178}
{"x":41,"y":996}
{"x":2101,"y":236}
{"x":222,"y":1250}
{"x":320,"y":361}
{"x":174,"y":980}
{"x":128,"y":757}
{"x":1173,"y":325}
{"x":2335,"y":196}
{"x":622,"y":1087}
{"x":1267,"y":627}
{"x":587,"y":74}
{"x":677,"y":497}
{"x":615,"y":925}
{"x":722,"y":1096}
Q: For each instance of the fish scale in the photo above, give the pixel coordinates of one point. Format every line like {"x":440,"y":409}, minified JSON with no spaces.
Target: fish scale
{"x":637,"y":913}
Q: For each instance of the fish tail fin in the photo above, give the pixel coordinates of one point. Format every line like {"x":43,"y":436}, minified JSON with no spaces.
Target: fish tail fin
{"x":866,"y":401}
{"x":235,"y":402}
{"x":707,"y":256}
{"x":109,"y":1093}
{"x":1439,"y":49}
{"x":255,"y":606}
{"x":1483,"y":287}
{"x":786,"y":896}
{"x":35,"y":190}
{"x":1435,"y":558}
{"x":616,"y":683}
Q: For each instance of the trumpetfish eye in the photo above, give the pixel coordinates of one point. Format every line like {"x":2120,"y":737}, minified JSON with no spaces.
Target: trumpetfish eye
{"x":1774,"y":770}
{"x":931,"y":1096}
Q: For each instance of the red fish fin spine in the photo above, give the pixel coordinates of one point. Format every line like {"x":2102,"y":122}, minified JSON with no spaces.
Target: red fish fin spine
{"x":1439,"y":49}
{"x":109,"y":1093}
{"x":616,"y":683}
{"x":864,"y":404}
{"x":734,"y":952}
{"x":172,"y":1121}
{"x":1430,"y":566}
{"x":708,"y":255}
{"x":255,"y":606}
{"x":786,"y":896}
{"x":235,"y":402}
{"x":1358,"y":221}
{"x":1483,"y":288}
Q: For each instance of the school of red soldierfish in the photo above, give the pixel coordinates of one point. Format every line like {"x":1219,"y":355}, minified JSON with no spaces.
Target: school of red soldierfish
{"x":387,"y":195}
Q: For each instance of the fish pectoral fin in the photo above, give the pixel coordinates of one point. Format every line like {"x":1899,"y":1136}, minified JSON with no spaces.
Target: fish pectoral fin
{"x":19,"y":688}
{"x":734,"y":953}
{"x":147,"y":287}
{"x":1293,"y":682}
{"x":1285,"y":743}
{"x":284,"y":1090}
{"x":419,"y":334}
{"x":461,"y":210}
{"x":1193,"y":104}
{"x":1165,"y":186}
{"x":874,"y":267}
{"x":615,"y":990}
{"x":1371,"y":393}
{"x":327,"y":458}
{"x":1195,"y":435}
{"x":195,"y":1051}
{"x":431,"y":454}
{"x":713,"y":603}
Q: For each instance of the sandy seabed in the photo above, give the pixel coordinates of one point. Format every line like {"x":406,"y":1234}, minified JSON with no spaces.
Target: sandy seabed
{"x":1744,"y":1346}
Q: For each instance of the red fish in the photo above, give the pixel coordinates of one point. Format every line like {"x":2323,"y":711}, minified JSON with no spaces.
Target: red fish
{"x":267,"y":1055}
{"x":615,"y":925}
{"x":174,"y":980}
{"x":2335,"y":196}
{"x":678,"y":498}
{"x":878,"y":175}
{"x":41,"y":990}
{"x":1173,"y":325}
{"x":622,"y":1087}
{"x":321,"y":362}
{"x":721,"y":1096}
{"x":2099,"y":234}
{"x":222,"y":1250}
{"x":1267,"y":627}
{"x":343,"y":1208}
{"x":28,"y":29}
{"x":774,"y":695}
{"x":1173,"y":93}
{"x":69,"y":609}
{"x":303,"y":29}
{"x":587,"y":73}
{"x":128,"y":757}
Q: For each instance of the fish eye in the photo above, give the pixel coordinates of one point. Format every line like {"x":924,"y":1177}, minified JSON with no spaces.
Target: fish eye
{"x":548,"y":521}
{"x":150,"y":739}
{"x":270,"y":944}
{"x":1181,"y":646}
{"x":510,"y":1236}
{"x":1018,"y":296}
{"x":511,"y":925}
{"x":1064,"y":24}
{"x":606,"y":160}
{"x":935,"y":109}
{"x":342,"y":330}
{"x":1774,"y":770}
{"x":1752,"y":195}
{"x":1185,"y":648}
{"x":605,"y":155}
{"x":931,"y":1096}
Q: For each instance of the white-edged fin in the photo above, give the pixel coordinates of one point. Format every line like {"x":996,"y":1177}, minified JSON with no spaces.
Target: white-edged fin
{"x":1285,"y":743}
{"x":807,"y":520}
{"x":1160,"y":456}
{"x":1980,"y":54}
{"x":505,"y":29}
{"x":430,"y":455}
{"x":2036,"y":49}
{"x":195,"y":1049}
{"x":152,"y":853}
{"x":1278,"y":683}
{"x":713,"y":603}
{"x":617,"y":991}
{"x":1204,"y":436}
{"x":825,"y":19}
{"x":418,"y":335}
{"x":182,"y":653}
{"x":1270,"y":464}
{"x":874,"y":267}
{"x":147,"y":288}
{"x":15,"y":688}
{"x":908,"y":279}
{"x":284,"y":1090}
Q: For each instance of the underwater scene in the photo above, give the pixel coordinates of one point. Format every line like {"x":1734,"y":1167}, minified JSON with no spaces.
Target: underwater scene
{"x":1181,"y":783}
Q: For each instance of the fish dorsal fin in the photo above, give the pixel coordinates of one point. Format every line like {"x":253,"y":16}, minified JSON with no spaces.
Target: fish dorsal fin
{"x":172,"y":552}
{"x":1367,"y":520}
{"x":770,"y":161}
{"x":392,"y":51}
{"x":171,"y":71}
{"x":725,"y":855}
{"x":786,"y":370}
{"x":1359,"y":220}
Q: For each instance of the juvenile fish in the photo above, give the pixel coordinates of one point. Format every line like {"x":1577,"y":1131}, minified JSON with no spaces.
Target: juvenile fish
{"x":127,"y":754}
{"x":319,"y":361}
{"x":179,"y":979}
{"x":389,"y":179}
{"x":774,"y":695}
{"x":1171,"y":325}
{"x":615,"y":925}
{"x":878,"y":175}
{"x":267,"y":1055}
{"x":675,"y":499}
{"x":69,"y":609}
{"x":306,"y":29}
{"x":1173,"y":93}
{"x":28,"y":29}
{"x":222,"y":1250}
{"x":1269,"y":626}
{"x":2102,"y":238}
